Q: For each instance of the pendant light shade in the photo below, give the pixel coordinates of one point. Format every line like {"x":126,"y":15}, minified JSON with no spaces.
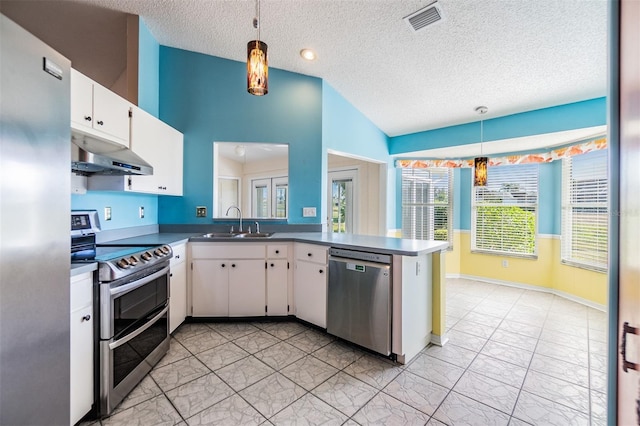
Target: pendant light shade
{"x":257,"y":61}
{"x":480,"y":171}
{"x":480,"y":163}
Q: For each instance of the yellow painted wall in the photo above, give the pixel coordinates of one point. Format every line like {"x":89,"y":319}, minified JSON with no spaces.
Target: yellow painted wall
{"x":546,"y":271}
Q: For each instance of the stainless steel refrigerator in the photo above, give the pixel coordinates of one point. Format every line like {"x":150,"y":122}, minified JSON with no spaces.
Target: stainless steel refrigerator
{"x":34,"y":230}
{"x":624,"y":269}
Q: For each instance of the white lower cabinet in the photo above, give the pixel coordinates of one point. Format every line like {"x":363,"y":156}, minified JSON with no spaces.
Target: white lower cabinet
{"x":310,"y":283}
{"x":81,"y":346}
{"x":228,"y":279}
{"x":178,"y":287}
{"x":210,"y":288}
{"x":246,"y":288}
{"x":277,"y":287}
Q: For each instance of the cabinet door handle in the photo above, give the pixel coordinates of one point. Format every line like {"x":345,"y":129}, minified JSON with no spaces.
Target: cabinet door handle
{"x":626,"y":328}
{"x":223,"y":265}
{"x":86,"y":318}
{"x":309,"y":254}
{"x":170,"y":275}
{"x":321,"y":271}
{"x":277,"y":251}
{"x":177,"y":256}
{"x":233,"y":265}
{"x":272,"y":265}
{"x":100,"y":123}
{"x":87,"y":118}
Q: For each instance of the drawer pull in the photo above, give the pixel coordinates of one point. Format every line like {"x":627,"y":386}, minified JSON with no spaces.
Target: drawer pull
{"x":223,"y":265}
{"x":309,"y":254}
{"x":233,"y":265}
{"x":277,"y":251}
{"x":86,"y":318}
{"x":321,"y":271}
{"x":87,"y":118}
{"x":100,"y":123}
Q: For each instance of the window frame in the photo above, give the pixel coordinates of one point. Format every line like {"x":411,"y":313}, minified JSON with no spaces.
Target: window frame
{"x":535,"y":206}
{"x":449,"y":205}
{"x":567,"y":240}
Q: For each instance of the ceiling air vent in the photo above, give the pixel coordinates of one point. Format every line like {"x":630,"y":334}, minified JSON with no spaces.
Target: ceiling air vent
{"x":424,"y":17}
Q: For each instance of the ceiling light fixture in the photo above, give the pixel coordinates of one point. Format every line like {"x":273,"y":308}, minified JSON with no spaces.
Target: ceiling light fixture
{"x":240,"y":151}
{"x":480,"y":163}
{"x":308,"y":54}
{"x":257,"y":61}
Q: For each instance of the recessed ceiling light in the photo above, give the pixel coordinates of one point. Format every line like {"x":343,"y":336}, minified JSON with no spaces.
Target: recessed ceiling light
{"x":308,"y":54}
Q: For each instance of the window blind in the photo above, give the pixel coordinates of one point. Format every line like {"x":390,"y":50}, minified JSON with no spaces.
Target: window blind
{"x":427,"y":204}
{"x":504,"y":212}
{"x":585,"y":216}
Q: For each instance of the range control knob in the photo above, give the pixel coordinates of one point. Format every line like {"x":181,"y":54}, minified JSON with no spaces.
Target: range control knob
{"x":123,"y":263}
{"x":165,"y":249}
{"x":133,"y":260}
{"x":158,"y":252}
{"x":146,"y":256}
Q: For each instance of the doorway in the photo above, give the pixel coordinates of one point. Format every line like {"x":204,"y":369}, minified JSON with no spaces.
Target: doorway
{"x":342,"y":201}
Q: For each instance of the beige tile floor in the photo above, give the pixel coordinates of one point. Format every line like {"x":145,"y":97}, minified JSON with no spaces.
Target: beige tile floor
{"x":514,"y":357}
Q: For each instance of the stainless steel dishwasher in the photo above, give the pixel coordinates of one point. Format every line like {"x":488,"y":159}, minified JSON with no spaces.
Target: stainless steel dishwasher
{"x":359,"y":298}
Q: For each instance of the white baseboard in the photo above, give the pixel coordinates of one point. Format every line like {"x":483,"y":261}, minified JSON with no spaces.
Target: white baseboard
{"x":563,"y":294}
{"x":439,"y":340}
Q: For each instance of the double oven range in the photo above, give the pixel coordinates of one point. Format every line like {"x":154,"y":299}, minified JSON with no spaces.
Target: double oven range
{"x":131,"y":301}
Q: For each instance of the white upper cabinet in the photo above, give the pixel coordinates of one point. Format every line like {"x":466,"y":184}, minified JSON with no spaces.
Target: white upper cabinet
{"x":97,"y":111}
{"x":161,"y":146}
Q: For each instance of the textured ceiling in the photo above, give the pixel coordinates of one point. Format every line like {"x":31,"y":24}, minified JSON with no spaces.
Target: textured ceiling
{"x":510,"y":55}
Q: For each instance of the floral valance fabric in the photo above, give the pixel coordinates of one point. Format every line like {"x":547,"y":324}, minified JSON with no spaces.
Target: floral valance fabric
{"x":544,"y":157}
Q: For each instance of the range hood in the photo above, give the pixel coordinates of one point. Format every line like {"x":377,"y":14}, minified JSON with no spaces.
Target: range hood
{"x":94,"y":156}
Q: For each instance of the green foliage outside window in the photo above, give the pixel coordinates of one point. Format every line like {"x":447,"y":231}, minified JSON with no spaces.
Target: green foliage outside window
{"x":505,"y":228}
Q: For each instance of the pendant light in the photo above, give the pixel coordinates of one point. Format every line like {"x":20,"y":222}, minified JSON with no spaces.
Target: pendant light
{"x":257,"y":61}
{"x":480,"y":163}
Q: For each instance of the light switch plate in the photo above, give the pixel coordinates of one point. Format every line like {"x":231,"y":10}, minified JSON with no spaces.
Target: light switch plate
{"x":308,"y":212}
{"x":141,"y":212}
{"x":107,"y":213}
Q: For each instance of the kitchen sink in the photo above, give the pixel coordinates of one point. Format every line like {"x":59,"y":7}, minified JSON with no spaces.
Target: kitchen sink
{"x":238,"y":235}
{"x":255,"y":235}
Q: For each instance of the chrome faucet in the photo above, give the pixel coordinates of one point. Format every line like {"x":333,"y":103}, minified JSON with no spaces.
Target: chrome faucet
{"x":240,"y":212}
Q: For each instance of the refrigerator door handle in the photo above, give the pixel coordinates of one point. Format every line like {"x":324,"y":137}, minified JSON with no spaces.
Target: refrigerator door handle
{"x":626,"y":365}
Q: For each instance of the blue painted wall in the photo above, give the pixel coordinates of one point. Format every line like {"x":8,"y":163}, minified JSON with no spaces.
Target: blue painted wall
{"x":205,"y":97}
{"x":564,"y":117}
{"x":124,"y":208}
{"x":346,"y":130}
{"x":148,"y":70}
{"x":547,"y":120}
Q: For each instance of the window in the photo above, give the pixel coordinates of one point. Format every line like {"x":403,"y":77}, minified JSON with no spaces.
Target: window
{"x":427,"y":204}
{"x":585,"y":215}
{"x":269,"y":197}
{"x":504,"y":212}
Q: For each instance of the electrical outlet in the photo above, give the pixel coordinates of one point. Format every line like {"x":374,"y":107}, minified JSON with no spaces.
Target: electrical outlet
{"x":201,"y":211}
{"x":308,"y":212}
{"x":505,"y":263}
{"x":107,"y":213}
{"x":141,"y":212}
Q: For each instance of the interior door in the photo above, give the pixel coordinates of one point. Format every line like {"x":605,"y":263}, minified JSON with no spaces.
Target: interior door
{"x":342,"y":201}
{"x":628,"y":360}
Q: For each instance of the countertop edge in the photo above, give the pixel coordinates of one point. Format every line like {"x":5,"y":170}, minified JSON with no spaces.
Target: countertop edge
{"x":369,"y":243}
{"x":83,"y":268}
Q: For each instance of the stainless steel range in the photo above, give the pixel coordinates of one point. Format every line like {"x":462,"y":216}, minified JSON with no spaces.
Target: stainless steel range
{"x":132,"y":304}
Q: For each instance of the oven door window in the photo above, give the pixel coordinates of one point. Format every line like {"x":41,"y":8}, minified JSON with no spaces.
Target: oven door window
{"x":128,"y":356}
{"x":130,"y":310}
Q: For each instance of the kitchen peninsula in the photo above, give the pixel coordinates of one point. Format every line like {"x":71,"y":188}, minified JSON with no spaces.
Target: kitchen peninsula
{"x":250,"y":288}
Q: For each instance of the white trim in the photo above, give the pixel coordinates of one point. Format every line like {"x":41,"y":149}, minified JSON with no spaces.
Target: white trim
{"x":568,"y":296}
{"x":439,"y":340}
